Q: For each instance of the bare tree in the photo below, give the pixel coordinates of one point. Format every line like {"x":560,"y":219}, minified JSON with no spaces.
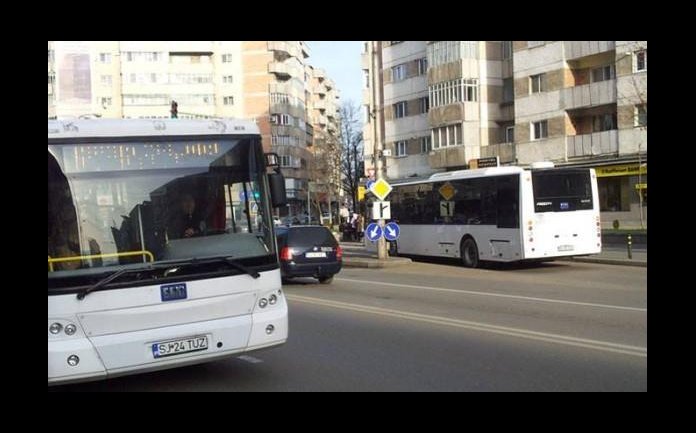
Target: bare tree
{"x":351,"y":139}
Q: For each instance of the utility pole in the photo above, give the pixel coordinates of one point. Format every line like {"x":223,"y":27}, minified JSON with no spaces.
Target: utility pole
{"x":376,"y":93}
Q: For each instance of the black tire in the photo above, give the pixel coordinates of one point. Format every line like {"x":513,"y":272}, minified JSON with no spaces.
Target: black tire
{"x":393,"y":249}
{"x":470,"y":254}
{"x":326,"y":280}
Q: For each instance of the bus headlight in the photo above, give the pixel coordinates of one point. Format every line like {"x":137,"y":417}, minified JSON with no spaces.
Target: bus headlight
{"x":73,"y":360}
{"x":263,"y":302}
{"x":70,"y":329}
{"x":55,"y":328}
{"x":272,"y":299}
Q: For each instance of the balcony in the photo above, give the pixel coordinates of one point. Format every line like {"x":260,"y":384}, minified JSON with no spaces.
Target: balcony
{"x":588,"y":95}
{"x":290,"y":48}
{"x":284,"y":69}
{"x":506,"y":152}
{"x":320,"y":105}
{"x":595,"y":144}
{"x":319,"y":89}
{"x":576,"y":49}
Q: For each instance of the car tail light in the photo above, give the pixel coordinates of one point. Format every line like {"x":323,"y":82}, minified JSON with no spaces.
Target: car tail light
{"x":339,"y":252}
{"x":286,"y":254}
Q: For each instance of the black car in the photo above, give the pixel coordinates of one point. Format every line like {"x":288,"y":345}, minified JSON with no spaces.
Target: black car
{"x":309,"y":251}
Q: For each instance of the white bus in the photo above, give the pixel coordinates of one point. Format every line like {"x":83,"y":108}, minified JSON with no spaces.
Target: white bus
{"x":500,"y":214}
{"x":161,"y":249}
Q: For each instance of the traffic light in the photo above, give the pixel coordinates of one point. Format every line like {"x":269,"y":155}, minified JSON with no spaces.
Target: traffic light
{"x":175,"y":110}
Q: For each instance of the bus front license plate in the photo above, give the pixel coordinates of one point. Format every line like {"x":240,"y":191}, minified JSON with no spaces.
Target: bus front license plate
{"x":566,"y":248}
{"x":176,"y":347}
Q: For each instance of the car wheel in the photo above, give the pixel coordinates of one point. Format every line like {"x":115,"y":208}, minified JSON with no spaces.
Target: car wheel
{"x":326,"y":280}
{"x":470,"y":254}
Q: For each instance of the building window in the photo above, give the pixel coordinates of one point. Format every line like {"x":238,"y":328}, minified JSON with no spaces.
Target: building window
{"x":531,"y":44}
{"x":398,"y":72}
{"x":400,"y":109}
{"x":509,"y":134}
{"x":51,"y":79}
{"x":450,"y":135}
{"x":450,"y":92}
{"x":285,"y":161}
{"x":227,"y":79}
{"x":282,"y":119}
{"x":105,"y":102}
{"x":604,"y":122}
{"x":426,"y":145}
{"x":442,"y":52}
{"x":641,"y":61}
{"x":143,"y":56}
{"x":537,"y":83}
{"x":540,"y":130}
{"x":227,"y":58}
{"x":106,"y":80}
{"x":228,"y":100}
{"x":284,"y":140}
{"x":508,"y":90}
{"x":507,"y":50}
{"x":104,"y":57}
{"x":610,"y":197}
{"x":641,"y":115}
{"x":422,"y":66}
{"x":424,"y":105}
{"x":401,"y":148}
{"x":603,"y":73}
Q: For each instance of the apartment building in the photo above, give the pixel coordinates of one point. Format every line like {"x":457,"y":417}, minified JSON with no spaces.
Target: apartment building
{"x":576,"y":103}
{"x":263,"y":80}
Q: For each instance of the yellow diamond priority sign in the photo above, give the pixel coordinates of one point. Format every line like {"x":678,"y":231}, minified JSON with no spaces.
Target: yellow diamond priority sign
{"x":381,"y":189}
{"x":447,"y":191}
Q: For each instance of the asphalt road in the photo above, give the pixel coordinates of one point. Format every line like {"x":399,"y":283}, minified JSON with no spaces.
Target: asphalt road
{"x":433,"y":326}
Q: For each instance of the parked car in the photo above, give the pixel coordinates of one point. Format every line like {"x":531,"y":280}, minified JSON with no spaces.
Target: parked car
{"x":309,"y":251}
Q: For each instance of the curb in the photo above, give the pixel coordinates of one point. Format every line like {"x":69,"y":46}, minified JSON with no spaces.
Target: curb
{"x":620,"y":262}
{"x":368,"y":262}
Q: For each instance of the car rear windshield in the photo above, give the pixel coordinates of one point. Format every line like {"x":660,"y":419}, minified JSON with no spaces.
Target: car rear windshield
{"x":310,"y":236}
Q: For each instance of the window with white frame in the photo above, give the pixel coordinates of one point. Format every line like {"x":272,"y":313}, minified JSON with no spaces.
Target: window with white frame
{"x":540,"y":130}
{"x":441,"y":52}
{"x":106,"y":80}
{"x":105,"y":101}
{"x":641,"y":115}
{"x":104,"y":57}
{"x":227,"y":79}
{"x":425,"y":145}
{"x":284,"y":140}
{"x":422,"y":66}
{"x":537,"y":83}
{"x":640,"y":62}
{"x":227,"y":58}
{"x":507,"y":50}
{"x":143,"y":56}
{"x":450,"y":92}
{"x":285,"y":161}
{"x":398,"y":72}
{"x":400,"y":109}
{"x":228,"y":100}
{"x":400,"y":147}
{"x":509,"y":134}
{"x":190,"y":78}
{"x":282,"y":119}
{"x":444,"y":136}
{"x":603,"y":73}
{"x":424,"y":105}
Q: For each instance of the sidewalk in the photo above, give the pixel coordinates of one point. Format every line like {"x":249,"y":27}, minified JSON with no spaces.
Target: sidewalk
{"x":357,"y":256}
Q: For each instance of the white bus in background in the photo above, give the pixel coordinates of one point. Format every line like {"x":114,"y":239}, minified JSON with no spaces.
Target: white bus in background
{"x":499,"y":214}
{"x":161,"y":249}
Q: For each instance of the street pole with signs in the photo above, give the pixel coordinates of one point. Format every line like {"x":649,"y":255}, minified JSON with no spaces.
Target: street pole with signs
{"x":375,"y":70}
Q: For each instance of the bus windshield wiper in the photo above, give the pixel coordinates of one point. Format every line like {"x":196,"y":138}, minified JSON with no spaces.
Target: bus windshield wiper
{"x":234,"y":263}
{"x":101,"y":283}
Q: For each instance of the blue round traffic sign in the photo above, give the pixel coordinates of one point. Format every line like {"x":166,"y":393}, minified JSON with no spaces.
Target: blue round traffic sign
{"x":373,"y":232}
{"x":369,"y":184}
{"x":391,"y":231}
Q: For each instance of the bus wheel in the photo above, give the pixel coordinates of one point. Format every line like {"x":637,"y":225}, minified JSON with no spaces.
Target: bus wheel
{"x":470,"y":254}
{"x":393,"y":249}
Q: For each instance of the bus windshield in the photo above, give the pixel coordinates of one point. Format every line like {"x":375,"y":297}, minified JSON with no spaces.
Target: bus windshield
{"x":131,"y":204}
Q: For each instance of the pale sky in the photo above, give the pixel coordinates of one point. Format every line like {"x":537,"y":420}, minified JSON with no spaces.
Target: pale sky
{"x":341,"y":61}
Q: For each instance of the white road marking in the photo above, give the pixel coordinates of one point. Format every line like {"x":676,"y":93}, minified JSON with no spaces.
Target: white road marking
{"x":250,"y":359}
{"x":605,"y":346}
{"x":499,"y":295}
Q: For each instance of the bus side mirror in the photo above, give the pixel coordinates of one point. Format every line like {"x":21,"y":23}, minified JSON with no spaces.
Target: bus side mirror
{"x":276,"y":182}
